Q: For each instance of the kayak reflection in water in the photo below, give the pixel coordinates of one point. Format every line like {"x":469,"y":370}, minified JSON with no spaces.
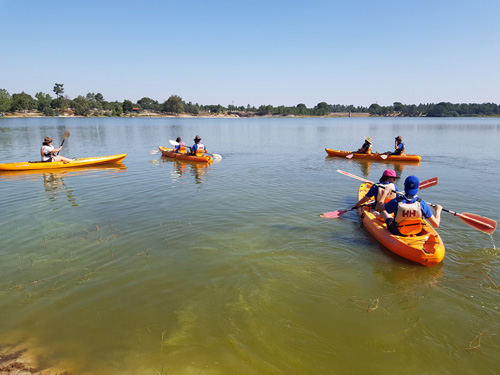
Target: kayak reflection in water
{"x":48,"y":152}
{"x":54,"y":185}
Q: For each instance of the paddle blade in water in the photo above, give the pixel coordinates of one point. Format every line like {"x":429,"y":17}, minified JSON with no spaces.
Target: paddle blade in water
{"x":349,"y":156}
{"x":478,"y":222}
{"x":383,"y":156}
{"x":334,"y":214}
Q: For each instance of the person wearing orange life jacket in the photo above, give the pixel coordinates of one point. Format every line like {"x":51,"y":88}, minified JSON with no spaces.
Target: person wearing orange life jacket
{"x":408,"y":206}
{"x":366,"y":148}
{"x":198,"y":148}
{"x":388,"y":179}
{"x":181,"y":147}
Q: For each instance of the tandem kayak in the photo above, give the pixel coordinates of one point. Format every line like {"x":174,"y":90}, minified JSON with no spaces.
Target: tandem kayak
{"x":425,"y":247}
{"x":377,"y":157}
{"x":169,"y":153}
{"x":79,"y":162}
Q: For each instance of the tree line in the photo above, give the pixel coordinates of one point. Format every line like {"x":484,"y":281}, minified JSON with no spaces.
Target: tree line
{"x":94,"y":105}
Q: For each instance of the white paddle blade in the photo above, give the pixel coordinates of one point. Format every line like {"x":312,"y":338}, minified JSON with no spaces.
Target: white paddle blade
{"x":173,"y":143}
{"x":217,"y":157}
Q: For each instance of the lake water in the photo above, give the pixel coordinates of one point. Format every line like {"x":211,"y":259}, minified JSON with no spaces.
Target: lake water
{"x":157,"y":266}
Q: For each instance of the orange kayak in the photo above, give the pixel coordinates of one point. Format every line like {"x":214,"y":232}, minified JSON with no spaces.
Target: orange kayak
{"x":169,"y":153}
{"x":426,"y":247}
{"x":376,"y":157}
{"x":80,"y":162}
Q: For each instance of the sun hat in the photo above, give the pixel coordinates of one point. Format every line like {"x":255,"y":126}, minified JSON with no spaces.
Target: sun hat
{"x":197,"y":138}
{"x":368,"y":139}
{"x":47,"y":140}
{"x":411,"y":185}
{"x":399,"y":138}
{"x":390,"y":173}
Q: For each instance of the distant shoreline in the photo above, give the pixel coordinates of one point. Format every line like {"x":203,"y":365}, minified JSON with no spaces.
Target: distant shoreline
{"x":184,"y":115}
{"x":36,"y":114}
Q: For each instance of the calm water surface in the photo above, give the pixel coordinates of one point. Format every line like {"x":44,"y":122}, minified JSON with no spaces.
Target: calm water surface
{"x":156,"y":266}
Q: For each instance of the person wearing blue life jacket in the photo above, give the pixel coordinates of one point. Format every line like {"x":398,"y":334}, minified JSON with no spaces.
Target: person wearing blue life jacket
{"x":399,"y":147}
{"x":198,"y":148}
{"x":388,"y":179}
{"x":181,"y":147}
{"x":407,"y":206}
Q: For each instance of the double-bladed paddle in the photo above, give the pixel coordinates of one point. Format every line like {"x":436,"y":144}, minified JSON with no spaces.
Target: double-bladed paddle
{"x":335,"y":214}
{"x":423,"y":185}
{"x":478,"y":222}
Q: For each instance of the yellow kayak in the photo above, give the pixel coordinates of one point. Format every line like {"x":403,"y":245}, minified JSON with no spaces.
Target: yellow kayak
{"x":79,"y":162}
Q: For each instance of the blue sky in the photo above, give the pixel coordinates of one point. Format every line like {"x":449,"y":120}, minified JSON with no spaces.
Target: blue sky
{"x":261,"y":52}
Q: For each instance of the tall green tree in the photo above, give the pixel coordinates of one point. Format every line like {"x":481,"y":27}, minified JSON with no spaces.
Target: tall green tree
{"x":302,"y":109}
{"x":117,"y":108}
{"x":148,"y":103}
{"x":322,"y":109}
{"x":399,"y":107}
{"x":44,"y":103}
{"x":99,"y":98}
{"x":374,"y":109}
{"x":5,"y":100}
{"x":127,"y":106}
{"x":173,"y":104}
{"x":44,"y":100}
{"x":23,"y":102}
{"x":61,"y":104}
{"x":58,"y":89}
{"x":81,"y":106}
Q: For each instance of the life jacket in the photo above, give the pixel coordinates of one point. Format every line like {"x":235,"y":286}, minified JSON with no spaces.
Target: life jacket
{"x":46,"y":156}
{"x":408,"y":210}
{"x":181,"y":148}
{"x":400,"y":151}
{"x":366,"y":150}
{"x":200,"y":149}
{"x":389,"y":197}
